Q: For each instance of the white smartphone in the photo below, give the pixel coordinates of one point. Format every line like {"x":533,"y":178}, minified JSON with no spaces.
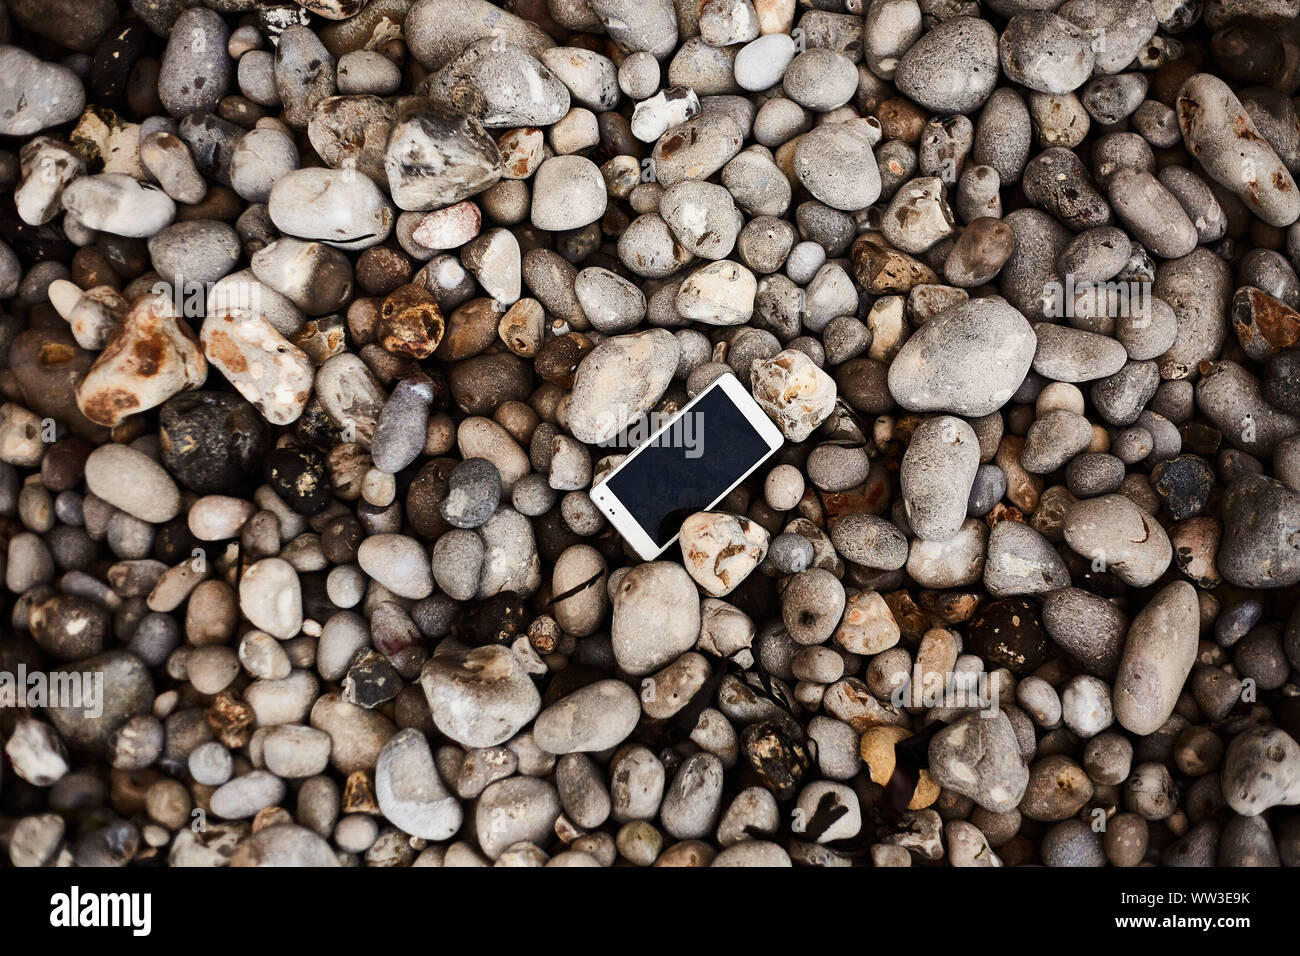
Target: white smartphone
{"x":687,"y":465}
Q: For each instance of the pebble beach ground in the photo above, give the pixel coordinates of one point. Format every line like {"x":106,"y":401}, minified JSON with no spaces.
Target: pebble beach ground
{"x":319,"y":319}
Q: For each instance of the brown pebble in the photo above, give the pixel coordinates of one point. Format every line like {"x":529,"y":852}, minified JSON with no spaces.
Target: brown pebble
{"x":900,"y":118}
{"x":883,"y":269}
{"x":231,"y":720}
{"x":359,"y":793}
{"x":470,"y":330}
{"x":559,"y":358}
{"x":410,"y":322}
{"x":65,"y":463}
{"x":381,"y":270}
{"x":90,"y":268}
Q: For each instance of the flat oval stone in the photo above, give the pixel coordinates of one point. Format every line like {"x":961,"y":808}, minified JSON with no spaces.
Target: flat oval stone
{"x":568,"y":193}
{"x":134,"y":482}
{"x":399,"y":563}
{"x":656,"y":616}
{"x":595,"y":718}
{"x":1158,"y":655}
{"x":1119,"y":537}
{"x":339,"y":207}
{"x":120,"y":204}
{"x":968,"y":360}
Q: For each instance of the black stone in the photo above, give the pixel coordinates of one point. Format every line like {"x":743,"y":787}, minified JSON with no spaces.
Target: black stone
{"x":1199,"y":438}
{"x":32,"y":244}
{"x":276,"y":16}
{"x":495,"y":621}
{"x":115,"y":57}
{"x":340,"y":539}
{"x":211,"y":441}
{"x":1282,"y":381}
{"x":1009,"y":634}
{"x":300,"y":477}
{"x":778,"y":753}
{"x":174,"y":542}
{"x":1184,"y":484}
{"x":371,"y":681}
{"x":315,"y":427}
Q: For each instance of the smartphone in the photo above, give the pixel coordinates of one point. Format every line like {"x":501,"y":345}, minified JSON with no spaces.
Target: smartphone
{"x":687,"y":465}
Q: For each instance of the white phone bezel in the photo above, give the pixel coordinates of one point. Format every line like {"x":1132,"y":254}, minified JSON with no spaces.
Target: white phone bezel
{"x":613,"y":508}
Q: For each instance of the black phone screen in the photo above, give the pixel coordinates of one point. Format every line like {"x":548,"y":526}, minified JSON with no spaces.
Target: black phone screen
{"x":702,"y":453}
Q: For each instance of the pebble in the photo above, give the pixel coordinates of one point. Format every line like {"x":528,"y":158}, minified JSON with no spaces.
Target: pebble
{"x":479,"y":697}
{"x":951,"y":68}
{"x":693,"y":801}
{"x":1220,"y":134}
{"x":762,"y":62}
{"x":283,"y":845}
{"x":568,"y":193}
{"x":836,"y":165}
{"x":304,"y":73}
{"x":36,"y":753}
{"x":36,"y":95}
{"x":595,"y":718}
{"x":721,"y":550}
{"x":436,"y":30}
{"x":367,"y":71}
{"x":275,"y":376}
{"x":618,"y":380}
{"x":695,"y":148}
{"x":47,"y":166}
{"x":1261,"y":517}
{"x":510,"y":87}
{"x":656,"y":616}
{"x":119,"y":204}
{"x":1045,"y":52}
{"x":796,"y":394}
{"x":1158,"y":655}
{"x":979,"y":758}
{"x":517,"y":810}
{"x":358,"y":217}
{"x":997,"y":348}
{"x":721,"y":293}
{"x":1261,"y":769}
{"x":398,"y":563}
{"x":436,"y":157}
{"x":1117,"y":536}
{"x":270,"y":595}
{"x":196,"y":71}
{"x":246,"y":795}
{"x":936,"y":476}
{"x":411,"y":793}
{"x":133,"y":693}
{"x":132,"y":481}
{"x":150,"y":356}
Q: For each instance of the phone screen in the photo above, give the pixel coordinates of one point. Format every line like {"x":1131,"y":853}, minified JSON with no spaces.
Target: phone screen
{"x":706,"y":450}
